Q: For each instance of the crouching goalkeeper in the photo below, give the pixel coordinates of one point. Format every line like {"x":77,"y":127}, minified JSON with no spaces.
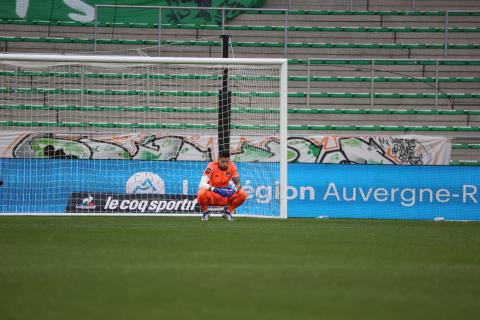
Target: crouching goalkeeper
{"x":215,"y":189}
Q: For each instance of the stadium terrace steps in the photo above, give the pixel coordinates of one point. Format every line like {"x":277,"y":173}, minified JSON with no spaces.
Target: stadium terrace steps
{"x":269,"y":44}
{"x":214,"y":109}
{"x":244,"y":49}
{"x":325,"y":35}
{"x":406,"y":80}
{"x":300,"y":127}
{"x":405,"y":91}
{"x":395,"y":5}
{"x":313,"y":95}
{"x":57,"y":115}
{"x":43,"y":26}
{"x":340,"y":100}
{"x":454,"y":123}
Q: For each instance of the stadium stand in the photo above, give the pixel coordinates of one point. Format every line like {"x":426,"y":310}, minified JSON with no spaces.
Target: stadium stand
{"x":411,"y":66}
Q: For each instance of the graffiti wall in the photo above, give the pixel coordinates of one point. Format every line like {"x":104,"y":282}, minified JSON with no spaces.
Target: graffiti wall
{"x":84,"y":10}
{"x":400,"y":150}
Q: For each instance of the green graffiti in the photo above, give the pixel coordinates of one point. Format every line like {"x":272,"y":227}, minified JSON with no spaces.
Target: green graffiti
{"x":149,"y":156}
{"x":252,"y":153}
{"x":352,"y":142}
{"x":124,"y":155}
{"x":314,"y":150}
{"x":205,"y":16}
{"x":302,"y":150}
{"x":109,"y":148}
{"x":38,"y":144}
{"x":84,"y":11}
{"x":291,"y":155}
{"x":148,"y":139}
{"x":70,"y":147}
{"x":180,"y":148}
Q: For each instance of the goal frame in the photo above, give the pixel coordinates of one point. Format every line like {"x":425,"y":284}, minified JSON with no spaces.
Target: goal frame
{"x":110,"y":59}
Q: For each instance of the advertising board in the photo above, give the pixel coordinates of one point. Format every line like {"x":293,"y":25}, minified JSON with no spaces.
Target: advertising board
{"x":314,"y":190}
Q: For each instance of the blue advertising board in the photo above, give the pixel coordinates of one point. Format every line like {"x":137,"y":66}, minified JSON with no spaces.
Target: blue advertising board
{"x":45,"y":185}
{"x":384,"y":191}
{"x":314,"y":191}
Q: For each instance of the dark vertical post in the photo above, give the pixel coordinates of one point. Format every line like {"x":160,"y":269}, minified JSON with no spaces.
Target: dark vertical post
{"x":224,"y":103}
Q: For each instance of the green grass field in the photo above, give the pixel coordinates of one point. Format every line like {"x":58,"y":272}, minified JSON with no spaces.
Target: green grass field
{"x":180,"y":268}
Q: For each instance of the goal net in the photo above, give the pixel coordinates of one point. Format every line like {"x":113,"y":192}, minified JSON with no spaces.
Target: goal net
{"x":132,"y":135}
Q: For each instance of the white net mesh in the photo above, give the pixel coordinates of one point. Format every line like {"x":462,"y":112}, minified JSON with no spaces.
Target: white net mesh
{"x":79,"y":137}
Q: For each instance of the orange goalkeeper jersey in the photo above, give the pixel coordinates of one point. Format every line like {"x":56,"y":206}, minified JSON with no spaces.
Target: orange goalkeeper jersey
{"x":218,"y":177}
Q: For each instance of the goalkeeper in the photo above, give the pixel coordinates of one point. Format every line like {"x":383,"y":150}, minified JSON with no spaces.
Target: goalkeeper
{"x":215,"y":190}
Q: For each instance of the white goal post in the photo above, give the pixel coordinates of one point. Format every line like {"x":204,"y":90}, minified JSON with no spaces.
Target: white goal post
{"x":120,"y":129}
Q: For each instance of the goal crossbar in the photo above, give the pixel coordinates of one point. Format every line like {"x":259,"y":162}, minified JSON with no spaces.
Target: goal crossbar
{"x":137,"y":59}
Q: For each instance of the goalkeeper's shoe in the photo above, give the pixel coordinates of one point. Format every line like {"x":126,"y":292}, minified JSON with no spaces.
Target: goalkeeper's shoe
{"x":227,"y":215}
{"x":205,"y":216}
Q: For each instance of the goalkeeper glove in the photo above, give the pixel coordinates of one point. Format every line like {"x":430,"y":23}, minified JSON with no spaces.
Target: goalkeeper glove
{"x":231,"y":191}
{"x":224,"y":192}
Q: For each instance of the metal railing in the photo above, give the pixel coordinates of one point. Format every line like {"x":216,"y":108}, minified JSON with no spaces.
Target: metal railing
{"x":371,"y":63}
{"x":285,"y":11}
{"x":223,"y":11}
{"x":390,"y":5}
